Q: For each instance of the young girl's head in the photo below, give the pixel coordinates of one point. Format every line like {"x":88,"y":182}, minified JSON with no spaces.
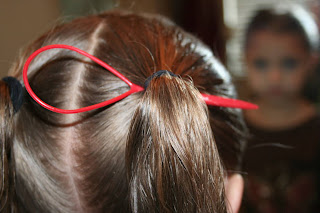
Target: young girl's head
{"x":279,"y":52}
{"x":158,"y":150}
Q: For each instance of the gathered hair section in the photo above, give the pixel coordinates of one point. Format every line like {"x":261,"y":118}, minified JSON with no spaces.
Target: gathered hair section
{"x":7,"y":180}
{"x":152,"y":151}
{"x":171,"y":151}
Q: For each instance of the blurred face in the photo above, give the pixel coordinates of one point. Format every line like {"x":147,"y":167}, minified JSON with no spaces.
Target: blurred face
{"x":277,"y":65}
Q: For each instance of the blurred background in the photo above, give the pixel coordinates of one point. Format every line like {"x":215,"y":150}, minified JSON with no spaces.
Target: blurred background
{"x":219,"y":23}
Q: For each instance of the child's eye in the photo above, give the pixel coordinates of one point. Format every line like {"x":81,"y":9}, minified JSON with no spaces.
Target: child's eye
{"x":260,"y":64}
{"x":289,"y":63}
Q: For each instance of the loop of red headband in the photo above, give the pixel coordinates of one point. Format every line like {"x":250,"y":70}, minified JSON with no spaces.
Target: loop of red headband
{"x":209,"y":99}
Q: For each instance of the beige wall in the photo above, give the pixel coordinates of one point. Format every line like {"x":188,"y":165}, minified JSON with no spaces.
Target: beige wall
{"x":20,"y":23}
{"x":163,"y":7}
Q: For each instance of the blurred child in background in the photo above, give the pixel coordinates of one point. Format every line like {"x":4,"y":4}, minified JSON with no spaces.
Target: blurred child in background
{"x":281,"y":159}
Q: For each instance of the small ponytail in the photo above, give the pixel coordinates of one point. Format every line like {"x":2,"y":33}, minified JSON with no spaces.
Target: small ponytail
{"x":7,"y":175}
{"x":172,"y":161}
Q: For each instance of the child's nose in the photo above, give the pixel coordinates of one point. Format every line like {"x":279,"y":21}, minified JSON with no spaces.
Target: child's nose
{"x":275,"y":75}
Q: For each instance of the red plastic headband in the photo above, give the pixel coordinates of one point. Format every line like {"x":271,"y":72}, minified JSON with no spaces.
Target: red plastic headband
{"x":209,"y":99}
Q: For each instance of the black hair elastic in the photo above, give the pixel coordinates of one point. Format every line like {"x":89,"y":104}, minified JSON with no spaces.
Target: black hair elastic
{"x":157,"y":74}
{"x":16,"y":92}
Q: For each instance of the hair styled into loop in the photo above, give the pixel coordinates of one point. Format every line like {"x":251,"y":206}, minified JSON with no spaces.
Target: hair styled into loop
{"x":171,"y":151}
{"x":158,"y":150}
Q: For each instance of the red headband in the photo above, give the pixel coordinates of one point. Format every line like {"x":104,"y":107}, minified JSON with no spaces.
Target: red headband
{"x":209,"y":99}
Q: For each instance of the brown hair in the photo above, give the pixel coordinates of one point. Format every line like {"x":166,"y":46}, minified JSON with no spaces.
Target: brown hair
{"x":288,"y":19}
{"x":160,"y":150}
